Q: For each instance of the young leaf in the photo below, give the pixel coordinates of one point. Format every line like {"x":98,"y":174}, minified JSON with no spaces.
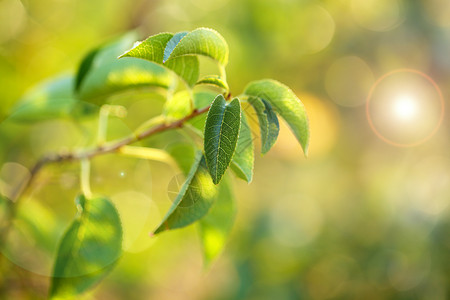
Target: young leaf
{"x":243,"y":159}
{"x":213,"y":80}
{"x":285,"y":103}
{"x":268,"y":122}
{"x":202,"y":41}
{"x":172,"y":43}
{"x":221,"y":134}
{"x":49,"y":100}
{"x":88,"y":249}
{"x":195,"y":198}
{"x":120,"y":75}
{"x":153,"y":49}
{"x":217,"y":224}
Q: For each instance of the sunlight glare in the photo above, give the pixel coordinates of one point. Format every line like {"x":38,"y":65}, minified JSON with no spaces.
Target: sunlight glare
{"x":405,"y":108}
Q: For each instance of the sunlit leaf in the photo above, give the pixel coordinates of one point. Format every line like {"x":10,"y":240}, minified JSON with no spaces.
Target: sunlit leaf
{"x":195,"y":198}
{"x":153,"y":48}
{"x":243,"y":159}
{"x":202,"y":41}
{"x":221,"y":135}
{"x":172,"y":43}
{"x":268,"y":122}
{"x":217,"y":224}
{"x":214,"y":80}
{"x":50,"y":100}
{"x":286,"y":104}
{"x":88,"y":249}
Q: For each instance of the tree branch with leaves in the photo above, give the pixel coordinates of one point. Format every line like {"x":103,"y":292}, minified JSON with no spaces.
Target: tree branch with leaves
{"x":92,"y":244}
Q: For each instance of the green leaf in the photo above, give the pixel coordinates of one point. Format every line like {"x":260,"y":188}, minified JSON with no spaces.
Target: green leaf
{"x":243,"y":159}
{"x":202,"y":41}
{"x":50,"y":100}
{"x":213,"y":80}
{"x":268,"y":122}
{"x":89,"y":248}
{"x":216,"y":226}
{"x":85,"y":67}
{"x":153,"y":48}
{"x":187,"y":67}
{"x":286,"y":104}
{"x":172,"y":43}
{"x":195,"y":198}
{"x":103,"y":54}
{"x":221,"y":134}
{"x":108,"y":79}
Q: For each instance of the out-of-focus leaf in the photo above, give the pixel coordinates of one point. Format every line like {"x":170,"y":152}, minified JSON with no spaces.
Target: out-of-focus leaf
{"x":104,"y":54}
{"x":195,"y":198}
{"x":49,"y":100}
{"x":153,"y":48}
{"x":85,"y":66}
{"x":120,"y":75}
{"x":88,"y":249}
{"x":221,"y":134}
{"x":268,"y":122}
{"x":243,"y":159}
{"x":285,"y":103}
{"x":202,"y":41}
{"x":178,"y":106}
{"x":37,"y":221}
{"x":214,"y":80}
{"x":217,"y":224}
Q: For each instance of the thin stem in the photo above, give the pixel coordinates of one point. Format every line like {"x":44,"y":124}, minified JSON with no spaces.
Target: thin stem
{"x":106,"y":111}
{"x":85,"y":176}
{"x":223,"y":72}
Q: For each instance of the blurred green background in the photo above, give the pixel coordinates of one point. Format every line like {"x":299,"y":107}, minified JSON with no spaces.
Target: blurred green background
{"x":365,"y":216}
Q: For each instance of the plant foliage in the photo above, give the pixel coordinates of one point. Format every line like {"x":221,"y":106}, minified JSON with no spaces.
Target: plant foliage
{"x":92,"y":244}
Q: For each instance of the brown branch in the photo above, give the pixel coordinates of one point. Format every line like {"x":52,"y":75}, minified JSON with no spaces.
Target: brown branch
{"x":102,"y":149}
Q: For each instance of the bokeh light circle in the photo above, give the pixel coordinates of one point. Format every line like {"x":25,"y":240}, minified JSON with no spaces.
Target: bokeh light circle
{"x":405,"y":107}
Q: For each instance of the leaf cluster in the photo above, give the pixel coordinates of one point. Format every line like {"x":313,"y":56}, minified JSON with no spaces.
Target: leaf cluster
{"x":91,"y":245}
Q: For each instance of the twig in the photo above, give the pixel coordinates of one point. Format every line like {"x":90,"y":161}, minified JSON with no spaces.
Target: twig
{"x":101,"y":149}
